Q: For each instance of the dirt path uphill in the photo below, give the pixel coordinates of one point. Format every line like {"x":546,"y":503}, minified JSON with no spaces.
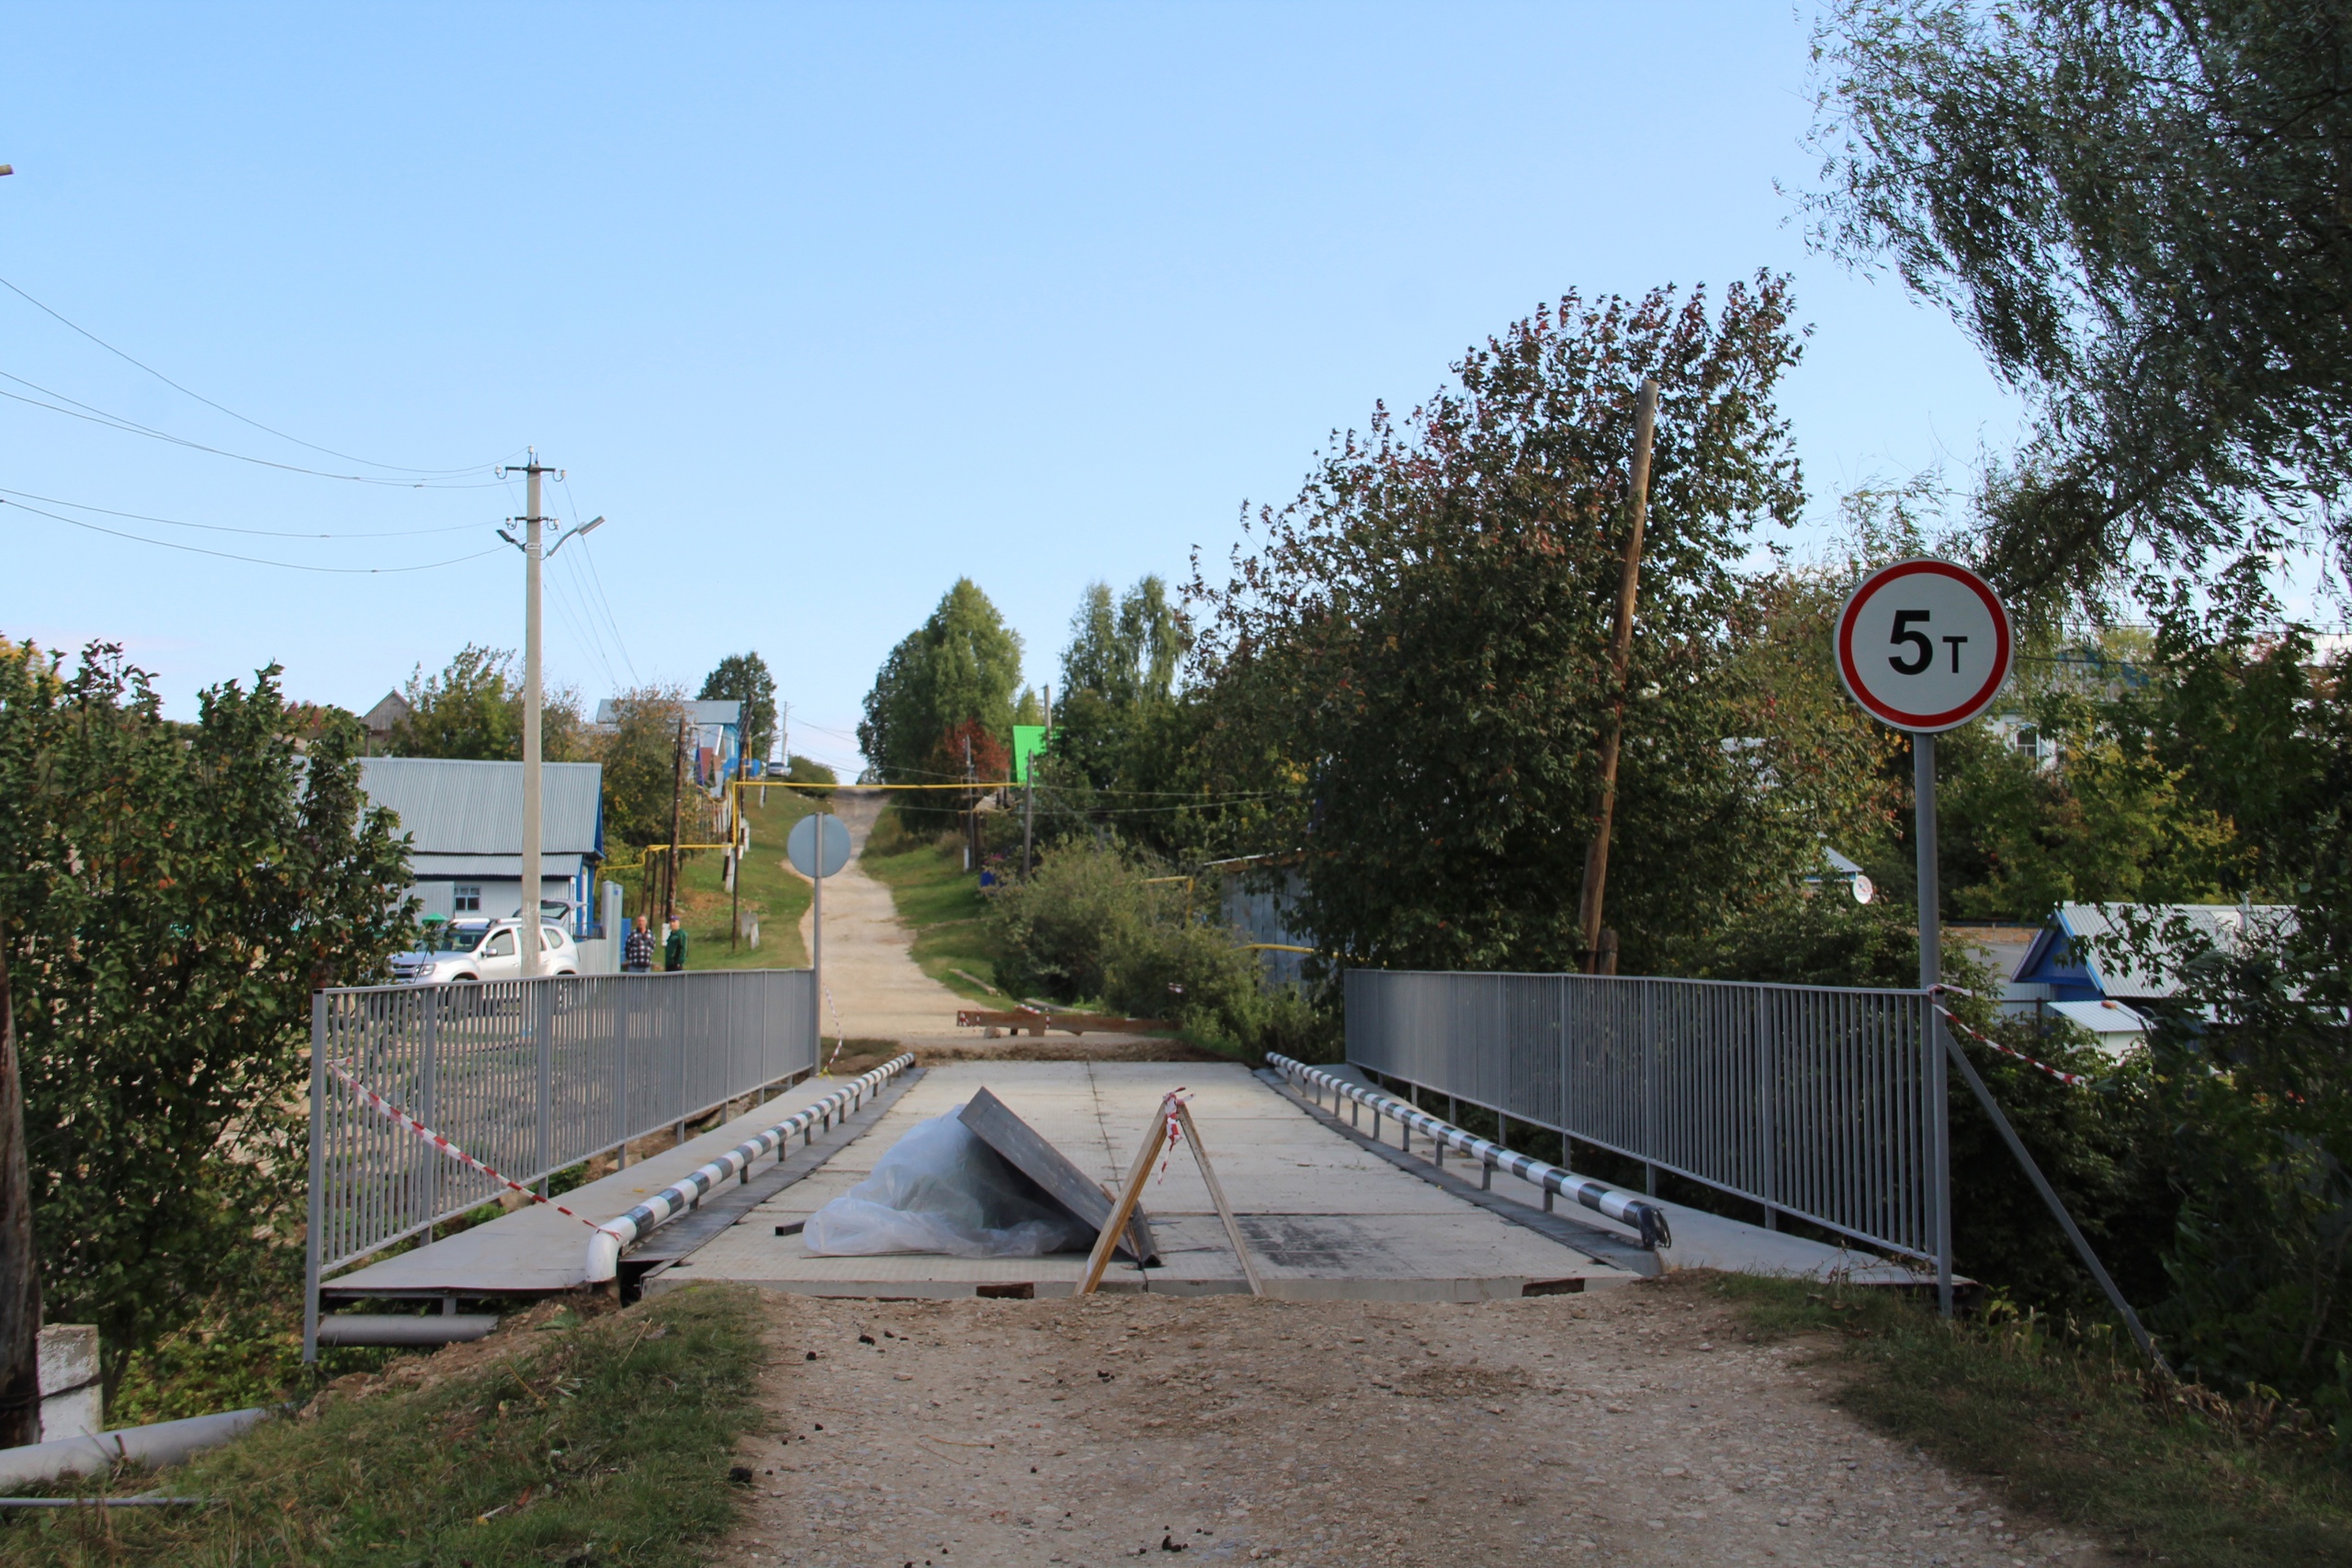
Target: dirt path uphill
{"x":878,"y":989}
{"x":1633,"y":1425}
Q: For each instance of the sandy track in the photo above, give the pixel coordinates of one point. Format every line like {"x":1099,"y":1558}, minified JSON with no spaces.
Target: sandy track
{"x":1633,"y":1425}
{"x":878,"y":990}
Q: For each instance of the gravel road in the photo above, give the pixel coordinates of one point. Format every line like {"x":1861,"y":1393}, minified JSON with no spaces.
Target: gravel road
{"x":1637,"y":1424}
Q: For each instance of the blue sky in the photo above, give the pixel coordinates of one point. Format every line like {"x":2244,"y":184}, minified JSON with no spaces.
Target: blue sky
{"x":823,"y":306}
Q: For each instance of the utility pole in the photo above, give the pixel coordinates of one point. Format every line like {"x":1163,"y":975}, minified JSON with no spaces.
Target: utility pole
{"x":678,"y":797}
{"x":1612,"y":734}
{"x":971,"y":810}
{"x":534,"y":556}
{"x":533,"y":775}
{"x":1029,"y":796}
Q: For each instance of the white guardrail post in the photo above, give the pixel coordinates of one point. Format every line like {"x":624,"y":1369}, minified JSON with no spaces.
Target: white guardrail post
{"x":615,"y":1235}
{"x":1626,"y":1208}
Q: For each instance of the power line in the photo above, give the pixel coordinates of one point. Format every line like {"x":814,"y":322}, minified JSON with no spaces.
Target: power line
{"x":225,"y":528}
{"x":253,"y":560}
{"x":610,"y":620}
{"x":133,"y":427}
{"x":233,"y":413}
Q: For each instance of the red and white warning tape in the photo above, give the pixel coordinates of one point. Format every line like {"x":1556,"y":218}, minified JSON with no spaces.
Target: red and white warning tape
{"x":2075,"y":1080}
{"x":1169,"y":1107}
{"x":399,"y":1118}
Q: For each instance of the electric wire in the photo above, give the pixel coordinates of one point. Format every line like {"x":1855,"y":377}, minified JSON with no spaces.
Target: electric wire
{"x":233,"y":413}
{"x":611,"y":621}
{"x":133,"y":427}
{"x":225,"y":528}
{"x":253,"y":560}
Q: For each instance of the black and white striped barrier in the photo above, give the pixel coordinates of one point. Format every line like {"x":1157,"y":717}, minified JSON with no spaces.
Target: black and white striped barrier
{"x":1623,"y":1207}
{"x":614,"y":1236}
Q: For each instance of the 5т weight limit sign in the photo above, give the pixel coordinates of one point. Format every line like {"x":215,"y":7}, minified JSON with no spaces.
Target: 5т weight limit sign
{"x":1924,"y":645}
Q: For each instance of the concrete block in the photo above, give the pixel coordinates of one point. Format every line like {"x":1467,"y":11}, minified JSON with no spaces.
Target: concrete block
{"x":72,"y":1400}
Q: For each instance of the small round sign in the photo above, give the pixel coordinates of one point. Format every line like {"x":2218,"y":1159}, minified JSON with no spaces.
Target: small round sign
{"x":812,"y":836}
{"x":1924,"y":645}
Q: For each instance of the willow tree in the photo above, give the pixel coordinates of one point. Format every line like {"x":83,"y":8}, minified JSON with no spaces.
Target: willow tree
{"x":2137,"y":208}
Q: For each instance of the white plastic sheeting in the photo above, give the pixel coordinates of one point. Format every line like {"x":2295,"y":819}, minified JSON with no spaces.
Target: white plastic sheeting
{"x":940,"y":1189}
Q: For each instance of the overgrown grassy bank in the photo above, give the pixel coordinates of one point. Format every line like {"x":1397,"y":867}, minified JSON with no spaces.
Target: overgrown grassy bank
{"x":2073,"y":1429}
{"x":599,"y":1442}
{"x":772,"y":892}
{"x":941,"y":903}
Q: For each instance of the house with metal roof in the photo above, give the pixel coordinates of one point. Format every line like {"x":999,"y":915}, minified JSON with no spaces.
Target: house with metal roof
{"x":717,"y":729}
{"x":2070,"y":973}
{"x":464,"y":824}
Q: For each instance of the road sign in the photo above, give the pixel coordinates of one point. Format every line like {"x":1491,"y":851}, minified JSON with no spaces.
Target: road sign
{"x":803,"y":846}
{"x":1924,"y":645}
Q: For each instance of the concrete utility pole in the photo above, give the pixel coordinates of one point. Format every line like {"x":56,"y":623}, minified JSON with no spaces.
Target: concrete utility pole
{"x":1612,"y":734}
{"x":532,"y":773}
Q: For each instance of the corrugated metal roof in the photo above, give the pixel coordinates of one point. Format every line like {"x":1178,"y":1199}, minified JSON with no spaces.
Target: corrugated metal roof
{"x":2066,"y":941}
{"x":697,"y":713}
{"x":453,"y":808}
{"x":551,"y":866}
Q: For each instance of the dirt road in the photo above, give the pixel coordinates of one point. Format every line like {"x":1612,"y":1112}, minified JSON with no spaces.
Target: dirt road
{"x":878,"y":991}
{"x":1638,"y":1424}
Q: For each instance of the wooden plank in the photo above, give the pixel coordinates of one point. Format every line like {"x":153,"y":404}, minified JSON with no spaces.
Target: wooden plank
{"x":1216,"y":1196}
{"x":1129,"y":1192}
{"x":993,"y":1123}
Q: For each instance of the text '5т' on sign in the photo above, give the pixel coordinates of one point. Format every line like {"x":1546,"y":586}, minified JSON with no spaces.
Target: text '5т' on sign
{"x":1924,"y":645}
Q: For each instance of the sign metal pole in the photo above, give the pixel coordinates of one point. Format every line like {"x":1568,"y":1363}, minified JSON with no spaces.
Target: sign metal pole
{"x":1931,"y":963}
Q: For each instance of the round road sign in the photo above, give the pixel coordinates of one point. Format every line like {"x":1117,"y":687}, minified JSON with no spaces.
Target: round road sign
{"x":1924,"y":645}
{"x":803,"y":844}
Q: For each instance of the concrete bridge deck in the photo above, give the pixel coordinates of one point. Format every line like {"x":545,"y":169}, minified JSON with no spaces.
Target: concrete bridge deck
{"x":1328,"y":1213}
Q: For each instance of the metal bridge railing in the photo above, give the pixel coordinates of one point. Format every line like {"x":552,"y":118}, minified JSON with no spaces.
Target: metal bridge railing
{"x":1822,"y":1104}
{"x":527,"y":1076}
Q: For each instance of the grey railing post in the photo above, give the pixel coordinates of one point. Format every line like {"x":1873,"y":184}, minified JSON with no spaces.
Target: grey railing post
{"x":1767,"y":1090}
{"x":318,"y":1172}
{"x":1939,"y":1155}
{"x":536,"y":999}
{"x":1649,"y":1090}
{"x":624,"y":1025}
{"x":428,"y":1111}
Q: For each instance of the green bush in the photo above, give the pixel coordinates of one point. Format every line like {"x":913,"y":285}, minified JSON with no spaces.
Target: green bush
{"x":1090,"y":925}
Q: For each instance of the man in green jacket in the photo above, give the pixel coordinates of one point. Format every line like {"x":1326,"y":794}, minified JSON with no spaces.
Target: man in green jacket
{"x":673,"y":949}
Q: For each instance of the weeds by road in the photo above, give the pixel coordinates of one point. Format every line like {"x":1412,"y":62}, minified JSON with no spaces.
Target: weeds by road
{"x":2075,"y":1430}
{"x":602,"y":1441}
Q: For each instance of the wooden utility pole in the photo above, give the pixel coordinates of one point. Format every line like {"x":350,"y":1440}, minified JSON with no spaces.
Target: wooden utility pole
{"x":677,"y":798}
{"x":1600,"y":945}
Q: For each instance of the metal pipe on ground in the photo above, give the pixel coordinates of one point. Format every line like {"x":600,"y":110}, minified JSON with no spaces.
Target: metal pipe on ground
{"x":394,"y":1329}
{"x":1643,"y":1215}
{"x":166,"y":1442}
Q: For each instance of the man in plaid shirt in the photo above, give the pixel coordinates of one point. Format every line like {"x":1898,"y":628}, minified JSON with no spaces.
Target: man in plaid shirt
{"x":637,"y":955}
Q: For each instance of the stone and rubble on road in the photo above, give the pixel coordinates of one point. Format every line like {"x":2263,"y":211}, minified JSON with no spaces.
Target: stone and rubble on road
{"x":1642,"y":1424}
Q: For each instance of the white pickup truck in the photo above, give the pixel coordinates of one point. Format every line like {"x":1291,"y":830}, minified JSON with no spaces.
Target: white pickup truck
{"x":484,"y":950}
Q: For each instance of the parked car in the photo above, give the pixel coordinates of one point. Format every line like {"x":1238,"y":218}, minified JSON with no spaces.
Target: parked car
{"x":484,"y":950}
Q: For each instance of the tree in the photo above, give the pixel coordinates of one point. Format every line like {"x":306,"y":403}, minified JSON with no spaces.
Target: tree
{"x":473,"y":710}
{"x":960,"y":665}
{"x":171,"y":895}
{"x":638,"y":753}
{"x":2136,"y":207}
{"x":744,"y":678}
{"x":1422,"y":642}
